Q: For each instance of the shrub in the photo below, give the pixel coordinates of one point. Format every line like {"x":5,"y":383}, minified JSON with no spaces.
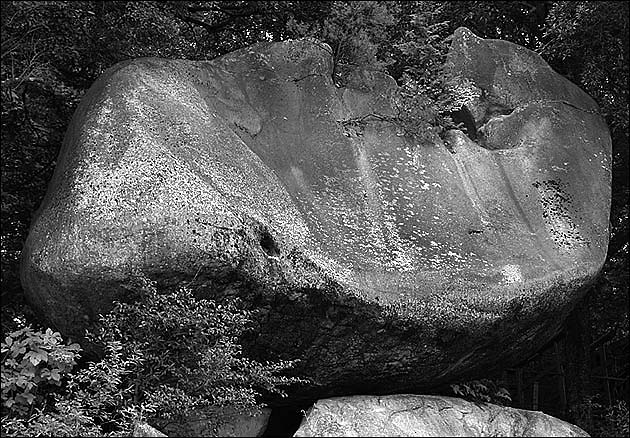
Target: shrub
{"x":430,"y":90}
{"x":31,"y":361}
{"x":484,"y":390}
{"x":42,"y":395}
{"x":67,"y":419}
{"x":185,"y":358}
{"x":168,"y":357}
{"x":600,"y":420}
{"x":616,"y":420}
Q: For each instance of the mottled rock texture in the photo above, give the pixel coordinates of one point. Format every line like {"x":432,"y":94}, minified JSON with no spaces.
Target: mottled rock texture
{"x":235,"y":425}
{"x":425,"y":415}
{"x":381,"y":262}
{"x":144,"y":430}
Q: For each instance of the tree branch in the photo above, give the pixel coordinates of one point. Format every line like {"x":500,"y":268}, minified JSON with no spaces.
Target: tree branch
{"x":212,"y":28}
{"x":234,"y":11}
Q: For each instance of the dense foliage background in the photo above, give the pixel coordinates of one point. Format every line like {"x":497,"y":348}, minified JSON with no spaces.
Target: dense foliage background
{"x":52,"y":51}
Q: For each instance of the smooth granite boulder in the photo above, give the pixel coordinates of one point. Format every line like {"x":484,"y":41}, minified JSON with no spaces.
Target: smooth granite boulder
{"x":381,"y":262}
{"x":426,"y":415}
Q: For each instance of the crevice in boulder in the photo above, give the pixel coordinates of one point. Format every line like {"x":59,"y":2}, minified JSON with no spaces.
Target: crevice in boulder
{"x":268,"y":244}
{"x":306,"y":76}
{"x":465,"y":119}
{"x":471,"y":121}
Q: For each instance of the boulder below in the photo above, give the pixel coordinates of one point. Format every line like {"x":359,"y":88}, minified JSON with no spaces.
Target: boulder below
{"x":236,"y":425}
{"x":379,"y":261}
{"x":425,"y":415}
{"x":145,"y":430}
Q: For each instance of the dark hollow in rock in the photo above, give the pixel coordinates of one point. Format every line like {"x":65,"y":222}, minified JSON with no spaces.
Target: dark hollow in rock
{"x":285,"y":421}
{"x":383,"y":264}
{"x":463,"y":116}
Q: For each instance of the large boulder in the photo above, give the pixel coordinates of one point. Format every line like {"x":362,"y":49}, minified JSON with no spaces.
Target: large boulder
{"x":381,"y":262}
{"x":426,"y":415}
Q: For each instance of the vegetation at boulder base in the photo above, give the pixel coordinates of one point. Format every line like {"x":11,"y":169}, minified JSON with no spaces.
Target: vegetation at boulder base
{"x":168,"y":357}
{"x":52,"y":51}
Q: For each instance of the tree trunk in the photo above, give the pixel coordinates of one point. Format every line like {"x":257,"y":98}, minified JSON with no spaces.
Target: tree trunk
{"x":577,"y":361}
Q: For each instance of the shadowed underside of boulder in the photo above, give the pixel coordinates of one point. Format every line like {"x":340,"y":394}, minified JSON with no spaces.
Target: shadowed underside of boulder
{"x":378,"y":261}
{"x":425,"y":415}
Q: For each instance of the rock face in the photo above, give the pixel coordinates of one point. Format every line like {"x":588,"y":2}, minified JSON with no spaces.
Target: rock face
{"x":236,"y":425}
{"x":145,"y":430}
{"x":425,"y":415}
{"x":381,"y":262}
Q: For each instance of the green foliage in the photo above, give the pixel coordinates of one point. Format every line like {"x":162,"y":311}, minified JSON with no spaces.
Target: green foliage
{"x":588,"y":41}
{"x":600,"y":420}
{"x":483,"y":391}
{"x":68,"y":419}
{"x":521,"y":22}
{"x":31,"y":360}
{"x":168,"y":357}
{"x":355,"y":31}
{"x":192,"y":363}
{"x":43,"y":393}
{"x":617,"y":420}
{"x":430,"y":92}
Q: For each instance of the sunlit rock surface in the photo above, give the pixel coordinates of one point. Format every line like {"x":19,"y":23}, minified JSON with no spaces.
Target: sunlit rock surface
{"x":381,"y":262}
{"x":425,"y":415}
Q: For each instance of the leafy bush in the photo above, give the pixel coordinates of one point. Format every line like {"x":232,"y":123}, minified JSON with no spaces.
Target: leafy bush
{"x":191,"y":362}
{"x":42,"y":395}
{"x":168,"y":357}
{"x":31,"y":360}
{"x":355,"y":31}
{"x":484,"y":390}
{"x":430,"y":90}
{"x":600,"y":420}
{"x":66,"y":419}
{"x":616,"y":420}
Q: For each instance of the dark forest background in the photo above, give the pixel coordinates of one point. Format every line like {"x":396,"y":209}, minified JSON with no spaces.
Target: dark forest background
{"x":52,"y":51}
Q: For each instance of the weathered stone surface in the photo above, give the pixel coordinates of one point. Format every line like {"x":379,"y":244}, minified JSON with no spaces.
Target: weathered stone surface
{"x":144,"y":430}
{"x":246,"y":425}
{"x":382,"y":263}
{"x":236,"y":425}
{"x":425,"y":415}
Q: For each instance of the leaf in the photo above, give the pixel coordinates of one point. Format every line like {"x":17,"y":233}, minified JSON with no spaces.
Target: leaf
{"x":28,"y":370}
{"x":28,"y":396}
{"x":54,"y":374}
{"x":36,"y":357}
